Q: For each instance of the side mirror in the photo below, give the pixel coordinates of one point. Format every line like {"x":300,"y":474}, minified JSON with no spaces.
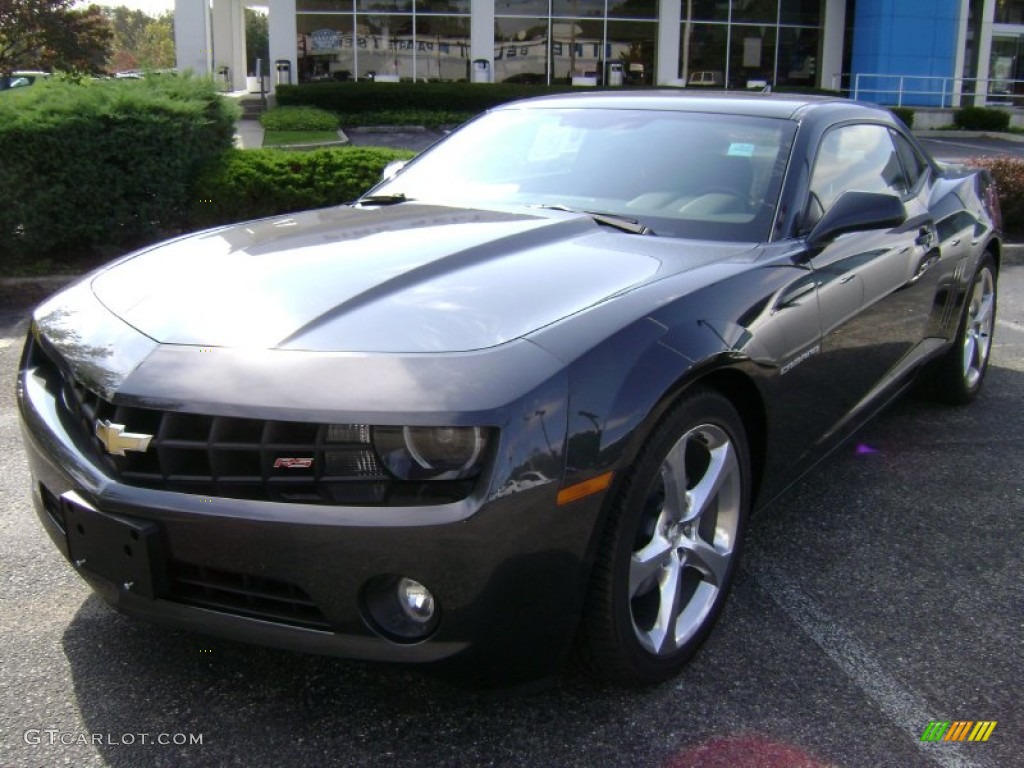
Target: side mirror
{"x":857,"y":212}
{"x":392,"y":169}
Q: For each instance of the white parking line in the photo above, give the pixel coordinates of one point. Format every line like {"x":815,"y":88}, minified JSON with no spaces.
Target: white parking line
{"x":906,"y":708}
{"x":1007,"y":325}
{"x":976,"y":147}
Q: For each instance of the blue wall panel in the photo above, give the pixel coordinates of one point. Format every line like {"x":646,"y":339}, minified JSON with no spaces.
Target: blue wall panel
{"x":912,"y":39}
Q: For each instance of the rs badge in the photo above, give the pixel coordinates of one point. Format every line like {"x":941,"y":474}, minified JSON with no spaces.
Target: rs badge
{"x":290,"y":463}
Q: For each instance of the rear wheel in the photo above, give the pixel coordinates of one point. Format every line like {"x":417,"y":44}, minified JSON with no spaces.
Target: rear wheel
{"x":669,"y":553}
{"x":957,"y":377}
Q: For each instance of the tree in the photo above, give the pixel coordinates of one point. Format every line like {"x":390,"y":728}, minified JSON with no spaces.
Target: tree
{"x":48,"y":34}
{"x":156,"y":50}
{"x":129,"y":27}
{"x":257,"y":40}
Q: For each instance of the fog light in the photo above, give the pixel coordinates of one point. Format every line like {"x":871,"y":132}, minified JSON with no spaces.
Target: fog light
{"x":400,"y":608}
{"x":416,"y":601}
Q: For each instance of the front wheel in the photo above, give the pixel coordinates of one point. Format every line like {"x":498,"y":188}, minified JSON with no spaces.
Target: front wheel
{"x":670,"y":548}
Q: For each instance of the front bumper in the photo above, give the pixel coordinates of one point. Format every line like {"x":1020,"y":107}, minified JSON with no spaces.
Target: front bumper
{"x":508,"y":568}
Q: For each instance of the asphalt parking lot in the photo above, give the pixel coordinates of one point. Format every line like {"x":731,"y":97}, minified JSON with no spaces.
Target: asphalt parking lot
{"x":883,"y":592}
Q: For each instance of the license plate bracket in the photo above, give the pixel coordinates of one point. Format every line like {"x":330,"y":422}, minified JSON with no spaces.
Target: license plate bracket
{"x":121,"y":550}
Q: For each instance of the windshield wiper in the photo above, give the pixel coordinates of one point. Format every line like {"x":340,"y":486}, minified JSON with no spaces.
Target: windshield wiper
{"x":632,"y":226}
{"x":394,"y":199}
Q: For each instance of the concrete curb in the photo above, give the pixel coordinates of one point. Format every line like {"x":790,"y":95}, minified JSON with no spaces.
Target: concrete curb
{"x":1013,"y":254}
{"x":927,"y":133}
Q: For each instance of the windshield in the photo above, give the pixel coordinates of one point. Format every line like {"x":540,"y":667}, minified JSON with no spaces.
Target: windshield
{"x":681,"y":174}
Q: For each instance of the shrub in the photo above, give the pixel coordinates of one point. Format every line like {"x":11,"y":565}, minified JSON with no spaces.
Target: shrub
{"x":906,"y":114}
{"x":107,"y":163}
{"x":981,"y":119}
{"x":1008,"y":173}
{"x":428,"y":118}
{"x":251,"y":183}
{"x":299,"y":119}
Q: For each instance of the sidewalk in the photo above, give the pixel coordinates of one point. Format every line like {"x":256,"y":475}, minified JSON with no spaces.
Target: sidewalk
{"x":248,"y":134}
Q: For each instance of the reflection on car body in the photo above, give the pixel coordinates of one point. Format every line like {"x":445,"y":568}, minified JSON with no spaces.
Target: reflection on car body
{"x":520,"y":399}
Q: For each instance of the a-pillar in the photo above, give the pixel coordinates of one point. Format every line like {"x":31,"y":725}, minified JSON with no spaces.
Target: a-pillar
{"x":193,"y":43}
{"x":283,"y":41}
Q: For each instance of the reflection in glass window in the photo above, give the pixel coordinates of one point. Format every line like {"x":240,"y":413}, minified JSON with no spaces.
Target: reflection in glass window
{"x":681,"y":174}
{"x":634,"y":43}
{"x":341,"y":6}
{"x":326,"y":48}
{"x":706,"y":10}
{"x":1009,"y":12}
{"x":798,"y":56}
{"x":577,"y":8}
{"x":521,"y":7}
{"x":633,"y":9}
{"x":856,"y":157}
{"x":808,"y":12}
{"x":703,"y":51}
{"x":384,"y":6}
{"x":520,"y":50}
{"x":442,"y":47}
{"x":443,"y":6}
{"x":764,"y":11}
{"x":751,"y":55}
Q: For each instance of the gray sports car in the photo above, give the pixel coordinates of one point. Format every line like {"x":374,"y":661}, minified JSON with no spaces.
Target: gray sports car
{"x":518,"y":400}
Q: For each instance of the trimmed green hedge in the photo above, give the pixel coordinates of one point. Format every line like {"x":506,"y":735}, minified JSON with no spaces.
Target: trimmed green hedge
{"x":981,"y":119}
{"x":251,"y":183}
{"x":427,"y":118}
{"x":108,"y":163}
{"x":906,"y":114}
{"x":365,"y":96}
{"x":299,"y":119}
{"x":467,"y":98}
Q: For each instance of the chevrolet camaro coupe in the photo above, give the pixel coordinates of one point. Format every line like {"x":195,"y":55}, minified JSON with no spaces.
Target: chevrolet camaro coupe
{"x":519,"y":400}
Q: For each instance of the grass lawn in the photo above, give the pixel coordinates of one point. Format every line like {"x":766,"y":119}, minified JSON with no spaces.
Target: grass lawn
{"x":279,"y":138}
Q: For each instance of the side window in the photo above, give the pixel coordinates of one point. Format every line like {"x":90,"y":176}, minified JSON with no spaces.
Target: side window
{"x":854,"y":157}
{"x":913,"y":164}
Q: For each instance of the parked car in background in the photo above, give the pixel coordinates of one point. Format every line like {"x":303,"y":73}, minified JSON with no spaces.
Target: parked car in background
{"x":21,"y":79}
{"x":520,"y":399}
{"x":705,"y":79}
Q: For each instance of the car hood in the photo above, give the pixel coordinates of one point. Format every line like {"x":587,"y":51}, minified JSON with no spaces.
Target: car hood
{"x":408,"y":278}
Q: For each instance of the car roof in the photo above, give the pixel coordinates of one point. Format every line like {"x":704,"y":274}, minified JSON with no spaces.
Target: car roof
{"x":778,"y":105}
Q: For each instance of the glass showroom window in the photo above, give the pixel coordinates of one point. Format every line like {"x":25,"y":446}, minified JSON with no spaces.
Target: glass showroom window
{"x":383,"y":39}
{"x":537,"y":41}
{"x":521,"y":50}
{"x":752,"y":42}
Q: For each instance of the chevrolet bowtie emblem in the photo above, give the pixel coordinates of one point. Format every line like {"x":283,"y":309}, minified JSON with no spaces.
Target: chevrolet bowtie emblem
{"x":117,"y":441}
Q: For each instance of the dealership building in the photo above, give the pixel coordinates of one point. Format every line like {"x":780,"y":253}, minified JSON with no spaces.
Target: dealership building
{"x":913,"y":52}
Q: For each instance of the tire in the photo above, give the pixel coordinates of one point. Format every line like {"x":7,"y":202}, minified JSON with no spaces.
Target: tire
{"x":958,"y":375}
{"x":670,"y":547}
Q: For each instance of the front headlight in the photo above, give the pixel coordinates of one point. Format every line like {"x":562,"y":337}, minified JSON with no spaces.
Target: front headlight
{"x":431,"y":453}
